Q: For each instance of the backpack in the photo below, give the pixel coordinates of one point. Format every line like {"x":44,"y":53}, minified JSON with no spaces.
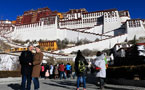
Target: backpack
{"x":81,"y":66}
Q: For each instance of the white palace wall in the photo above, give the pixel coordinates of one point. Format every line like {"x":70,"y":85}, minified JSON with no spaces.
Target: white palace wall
{"x":99,"y":45}
{"x":95,"y":29}
{"x":136,"y":29}
{"x":73,"y":25}
{"x":116,"y":32}
{"x":26,"y":32}
{"x":111,"y":21}
{"x":124,"y":18}
{"x":76,"y":35}
{"x":50,"y":32}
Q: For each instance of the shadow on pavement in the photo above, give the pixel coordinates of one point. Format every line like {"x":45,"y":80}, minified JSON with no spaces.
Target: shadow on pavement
{"x":67,"y":84}
{"x":57,"y":85}
{"x":14,"y":86}
{"x":91,"y":79}
{"x":113,"y":88}
{"x":62,"y":84}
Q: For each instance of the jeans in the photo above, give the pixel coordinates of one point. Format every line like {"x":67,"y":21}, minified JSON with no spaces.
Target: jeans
{"x":23,"y":83}
{"x":36,"y":83}
{"x":68,"y":73}
{"x":79,"y":79}
{"x":62,"y":73}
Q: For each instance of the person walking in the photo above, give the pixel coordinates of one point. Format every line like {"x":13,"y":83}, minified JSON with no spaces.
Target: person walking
{"x":100,"y":63}
{"x":42,"y":72}
{"x":61,"y":70}
{"x":47,"y":74}
{"x":51,"y":71}
{"x":56,"y":73}
{"x":37,"y":67}
{"x":80,"y":69}
{"x":68,"y":70}
{"x":26,"y":59}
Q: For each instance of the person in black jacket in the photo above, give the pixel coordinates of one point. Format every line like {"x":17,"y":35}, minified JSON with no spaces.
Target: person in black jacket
{"x":26,"y":59}
{"x":80,"y":69}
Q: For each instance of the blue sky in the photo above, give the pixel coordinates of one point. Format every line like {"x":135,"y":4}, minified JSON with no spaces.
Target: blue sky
{"x":10,"y":9}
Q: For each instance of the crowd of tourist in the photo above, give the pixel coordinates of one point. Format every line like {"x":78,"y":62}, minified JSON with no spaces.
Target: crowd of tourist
{"x":32,"y":69}
{"x":57,"y":71}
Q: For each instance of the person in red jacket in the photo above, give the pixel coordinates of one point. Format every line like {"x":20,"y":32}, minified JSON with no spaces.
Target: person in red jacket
{"x":61,"y":70}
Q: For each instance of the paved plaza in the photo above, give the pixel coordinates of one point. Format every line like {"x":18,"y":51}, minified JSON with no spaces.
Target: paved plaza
{"x":52,"y":84}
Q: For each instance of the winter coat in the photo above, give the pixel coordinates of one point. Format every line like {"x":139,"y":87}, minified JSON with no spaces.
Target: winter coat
{"x":46,"y":67}
{"x":100,"y":62}
{"x":37,"y":64}
{"x":51,"y":69}
{"x":61,"y":67}
{"x":25,"y":58}
{"x":80,"y":58}
{"x":68,"y":67}
{"x":56,"y":70}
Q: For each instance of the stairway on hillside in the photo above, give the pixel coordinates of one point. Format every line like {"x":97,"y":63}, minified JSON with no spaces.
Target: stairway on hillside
{"x":84,"y":30}
{"x":100,"y":45}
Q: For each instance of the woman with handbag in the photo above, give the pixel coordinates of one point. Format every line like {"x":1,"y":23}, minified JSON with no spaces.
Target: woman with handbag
{"x":47,"y":71}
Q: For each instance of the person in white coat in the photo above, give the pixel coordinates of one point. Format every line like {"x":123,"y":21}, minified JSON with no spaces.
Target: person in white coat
{"x":51,"y":71}
{"x":101,"y":74}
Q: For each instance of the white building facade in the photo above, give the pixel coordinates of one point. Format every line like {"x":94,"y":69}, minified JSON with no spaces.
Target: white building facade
{"x":80,"y":24}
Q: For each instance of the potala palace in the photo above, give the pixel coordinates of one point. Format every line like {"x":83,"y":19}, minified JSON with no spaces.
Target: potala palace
{"x":103,"y":28}
{"x":109,"y":26}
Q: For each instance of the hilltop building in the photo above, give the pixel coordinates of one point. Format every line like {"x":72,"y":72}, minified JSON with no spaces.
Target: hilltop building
{"x":6,"y":27}
{"x":33,"y":16}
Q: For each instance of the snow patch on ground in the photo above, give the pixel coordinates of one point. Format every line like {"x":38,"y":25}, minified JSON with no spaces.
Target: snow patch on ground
{"x":8,"y":62}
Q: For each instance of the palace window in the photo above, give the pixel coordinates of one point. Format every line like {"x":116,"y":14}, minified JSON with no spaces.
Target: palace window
{"x":112,"y":14}
{"x":86,"y":15}
{"x":98,"y":14}
{"x":115,"y":14}
{"x":131,"y":24}
{"x":139,"y":24}
{"x":134,"y":23}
